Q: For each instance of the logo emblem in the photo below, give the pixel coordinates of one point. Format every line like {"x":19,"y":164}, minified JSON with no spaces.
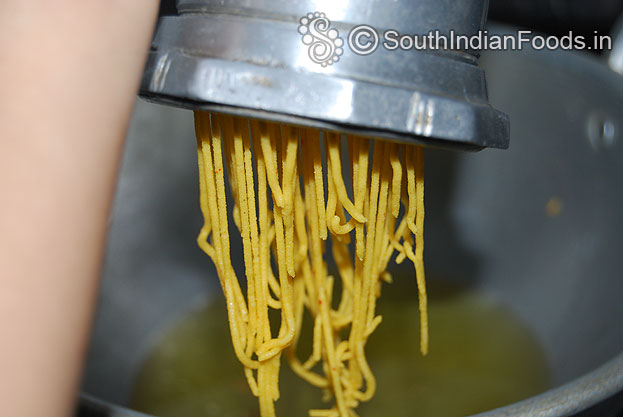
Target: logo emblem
{"x":325,"y":45}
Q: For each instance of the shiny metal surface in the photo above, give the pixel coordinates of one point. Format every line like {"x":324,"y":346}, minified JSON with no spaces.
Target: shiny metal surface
{"x":247,"y":57}
{"x":463,"y":16}
{"x":487,"y":227}
{"x":615,"y":58}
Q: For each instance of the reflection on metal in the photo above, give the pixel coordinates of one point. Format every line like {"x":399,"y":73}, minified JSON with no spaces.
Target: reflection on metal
{"x":615,"y":58}
{"x":421,"y":114}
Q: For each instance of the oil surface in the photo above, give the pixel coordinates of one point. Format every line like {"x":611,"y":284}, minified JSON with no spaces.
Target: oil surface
{"x":481,"y":357}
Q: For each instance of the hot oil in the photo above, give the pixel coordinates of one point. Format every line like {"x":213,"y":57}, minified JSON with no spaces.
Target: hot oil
{"x":481,"y":357}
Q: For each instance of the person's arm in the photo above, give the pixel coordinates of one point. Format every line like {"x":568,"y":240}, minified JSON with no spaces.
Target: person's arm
{"x":69,"y":71}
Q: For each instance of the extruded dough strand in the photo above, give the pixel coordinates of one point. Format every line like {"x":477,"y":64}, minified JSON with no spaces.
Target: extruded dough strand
{"x":277,"y":179}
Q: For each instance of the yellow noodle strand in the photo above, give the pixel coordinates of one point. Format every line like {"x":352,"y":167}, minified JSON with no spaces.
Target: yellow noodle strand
{"x":284,"y":224}
{"x":419,"y":250}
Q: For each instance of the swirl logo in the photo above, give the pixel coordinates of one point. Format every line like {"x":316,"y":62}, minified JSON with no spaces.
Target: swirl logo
{"x":325,"y":45}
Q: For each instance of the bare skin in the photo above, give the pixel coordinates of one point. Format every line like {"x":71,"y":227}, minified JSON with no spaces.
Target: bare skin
{"x":69,"y":71}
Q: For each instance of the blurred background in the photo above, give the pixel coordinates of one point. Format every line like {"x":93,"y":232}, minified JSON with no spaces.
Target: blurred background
{"x":523,"y":254}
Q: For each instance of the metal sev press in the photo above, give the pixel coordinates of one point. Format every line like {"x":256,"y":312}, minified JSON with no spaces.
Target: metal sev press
{"x":291,"y":61}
